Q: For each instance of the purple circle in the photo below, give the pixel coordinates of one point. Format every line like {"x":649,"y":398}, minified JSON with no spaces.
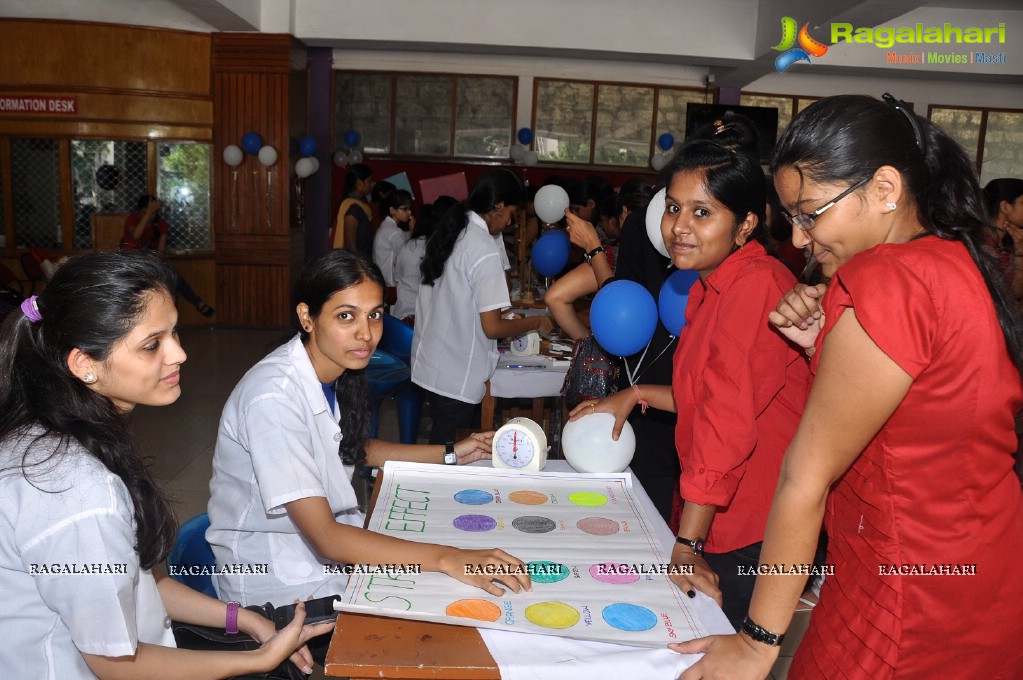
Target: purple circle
{"x":475,"y":523}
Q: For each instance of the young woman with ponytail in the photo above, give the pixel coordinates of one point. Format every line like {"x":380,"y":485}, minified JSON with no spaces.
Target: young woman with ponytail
{"x":458,"y":313}
{"x":84,"y":522}
{"x":905,"y":449}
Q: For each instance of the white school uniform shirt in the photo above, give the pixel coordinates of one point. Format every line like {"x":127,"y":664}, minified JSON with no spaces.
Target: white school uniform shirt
{"x":386,"y":242}
{"x":407,"y":276}
{"x":69,"y":574}
{"x":277,"y":443}
{"x":450,"y":354}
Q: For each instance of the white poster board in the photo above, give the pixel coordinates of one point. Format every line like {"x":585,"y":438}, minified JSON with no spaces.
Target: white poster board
{"x":596,"y":567}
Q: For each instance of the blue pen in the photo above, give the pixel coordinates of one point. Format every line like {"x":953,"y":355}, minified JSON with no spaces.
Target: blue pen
{"x":524,"y":366}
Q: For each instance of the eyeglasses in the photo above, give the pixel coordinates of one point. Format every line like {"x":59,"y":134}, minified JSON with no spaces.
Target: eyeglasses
{"x":805,"y":221}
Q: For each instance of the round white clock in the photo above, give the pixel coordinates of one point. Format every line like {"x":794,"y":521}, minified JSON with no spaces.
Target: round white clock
{"x":520,"y":445}
{"x":526,"y":344}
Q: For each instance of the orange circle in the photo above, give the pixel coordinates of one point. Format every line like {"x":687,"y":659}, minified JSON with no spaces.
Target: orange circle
{"x":481,"y":610}
{"x":527,"y":497}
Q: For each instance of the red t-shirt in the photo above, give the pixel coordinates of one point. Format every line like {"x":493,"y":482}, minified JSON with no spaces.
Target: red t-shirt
{"x":740,"y":388}
{"x":934,"y":487}
{"x":150,"y":235}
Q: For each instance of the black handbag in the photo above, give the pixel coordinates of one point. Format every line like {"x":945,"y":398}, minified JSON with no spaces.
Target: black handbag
{"x":205,"y":638}
{"x":591,"y":375}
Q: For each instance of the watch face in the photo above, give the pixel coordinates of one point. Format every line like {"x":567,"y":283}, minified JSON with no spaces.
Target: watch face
{"x":515,"y":448}
{"x":520,"y":343}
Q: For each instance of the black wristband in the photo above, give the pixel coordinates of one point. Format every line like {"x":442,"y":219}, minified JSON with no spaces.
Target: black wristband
{"x":593,"y":253}
{"x":760,"y":634}
{"x":697,"y":544}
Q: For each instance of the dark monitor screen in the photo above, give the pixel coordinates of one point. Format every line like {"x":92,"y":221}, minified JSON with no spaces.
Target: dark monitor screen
{"x":764,"y":118}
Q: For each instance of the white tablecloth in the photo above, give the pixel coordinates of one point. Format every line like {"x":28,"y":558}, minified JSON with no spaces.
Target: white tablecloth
{"x":523,"y":656}
{"x":542,"y":379}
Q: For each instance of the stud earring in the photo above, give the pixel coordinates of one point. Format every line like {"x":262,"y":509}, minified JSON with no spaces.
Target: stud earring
{"x":890,"y":205}
{"x":89,"y":378}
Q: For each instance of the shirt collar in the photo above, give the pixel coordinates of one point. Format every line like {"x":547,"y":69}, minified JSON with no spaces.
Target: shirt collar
{"x":478,"y":221}
{"x":722,"y":277}
{"x":306,"y":376}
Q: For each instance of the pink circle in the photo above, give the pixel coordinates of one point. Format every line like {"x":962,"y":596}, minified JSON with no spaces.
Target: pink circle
{"x":614,"y":572}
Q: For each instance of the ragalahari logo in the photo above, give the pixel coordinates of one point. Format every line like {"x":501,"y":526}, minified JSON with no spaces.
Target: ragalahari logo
{"x":808,"y":47}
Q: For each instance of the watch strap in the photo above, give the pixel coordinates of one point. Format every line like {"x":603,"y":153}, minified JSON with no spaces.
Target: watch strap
{"x":450,"y":457}
{"x":762,"y":635}
{"x":697,"y":544}
{"x":231,"y":623}
{"x":593,"y":253}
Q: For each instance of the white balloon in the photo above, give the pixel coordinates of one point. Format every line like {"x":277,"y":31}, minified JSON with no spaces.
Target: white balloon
{"x":355,"y":156}
{"x":654,"y":213}
{"x":550,"y":203}
{"x":268,"y":155}
{"x":233,"y":155}
{"x":316,"y":164}
{"x":531,"y":158}
{"x":303,"y":167}
{"x":340,"y":159}
{"x":658,"y":161}
{"x":588,"y":446}
{"x":517,"y":152}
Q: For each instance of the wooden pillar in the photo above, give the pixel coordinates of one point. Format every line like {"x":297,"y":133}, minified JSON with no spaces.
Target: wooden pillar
{"x":255,"y":254}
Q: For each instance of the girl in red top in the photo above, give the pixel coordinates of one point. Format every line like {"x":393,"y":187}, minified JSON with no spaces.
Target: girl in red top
{"x":738,"y":385}
{"x":905,"y":448}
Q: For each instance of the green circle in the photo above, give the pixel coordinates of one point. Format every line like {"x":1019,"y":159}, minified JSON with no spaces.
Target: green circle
{"x":542,"y":571}
{"x":588,"y":499}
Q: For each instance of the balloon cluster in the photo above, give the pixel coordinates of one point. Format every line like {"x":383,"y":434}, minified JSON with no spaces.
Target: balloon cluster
{"x":666,"y":145}
{"x":623,"y":315}
{"x":520,"y":151}
{"x":252,"y":143}
{"x":352,"y":139}
{"x":308,"y":163}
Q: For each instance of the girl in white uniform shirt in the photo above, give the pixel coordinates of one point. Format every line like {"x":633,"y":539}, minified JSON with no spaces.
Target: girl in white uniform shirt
{"x":458,"y":314}
{"x":397,"y":206}
{"x":291,"y":432}
{"x":84,"y":521}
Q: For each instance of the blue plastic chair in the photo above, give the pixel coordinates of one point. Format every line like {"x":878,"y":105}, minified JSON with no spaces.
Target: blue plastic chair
{"x":383,"y":376}
{"x":192,"y":550}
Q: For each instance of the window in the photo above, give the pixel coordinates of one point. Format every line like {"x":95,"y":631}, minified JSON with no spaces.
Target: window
{"x":604,"y":123}
{"x":35,"y":180}
{"x":993,"y":138}
{"x":183,"y":184}
{"x":426,"y":114}
{"x":106,"y":176}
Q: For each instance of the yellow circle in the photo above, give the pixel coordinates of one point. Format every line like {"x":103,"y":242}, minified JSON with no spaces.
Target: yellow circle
{"x":552,"y":615}
{"x":481,"y":610}
{"x":588,"y":499}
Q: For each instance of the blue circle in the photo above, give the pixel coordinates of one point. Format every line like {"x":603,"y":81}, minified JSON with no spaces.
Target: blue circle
{"x":525,"y":136}
{"x":623,"y":317}
{"x":629,"y":617}
{"x":474,"y":497}
{"x":666,"y":141}
{"x":550,"y":252}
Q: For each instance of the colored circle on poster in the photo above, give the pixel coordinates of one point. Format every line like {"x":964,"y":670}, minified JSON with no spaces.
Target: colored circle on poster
{"x":534,"y":524}
{"x":481,"y":610}
{"x":543,"y":571}
{"x":614,"y":573}
{"x":474,"y":497}
{"x":526,"y":497}
{"x":588,"y":499}
{"x":475,"y":523}
{"x":629,"y":617}
{"x":552,"y":615}
{"x":598,"y":526}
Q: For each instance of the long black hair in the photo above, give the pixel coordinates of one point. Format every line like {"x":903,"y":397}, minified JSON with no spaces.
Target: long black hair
{"x":493,"y":187}
{"x":731,"y":175}
{"x":1002,"y":189}
{"x":92,"y":302}
{"x":847,"y":138}
{"x":324,"y":275}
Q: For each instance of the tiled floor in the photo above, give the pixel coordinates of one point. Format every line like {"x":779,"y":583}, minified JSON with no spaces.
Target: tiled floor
{"x":180,"y":438}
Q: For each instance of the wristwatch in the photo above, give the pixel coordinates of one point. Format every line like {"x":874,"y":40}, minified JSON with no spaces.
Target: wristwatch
{"x":450,"y":457}
{"x":231,"y":624}
{"x":761,"y":634}
{"x":593,"y":253}
{"x":697,"y":544}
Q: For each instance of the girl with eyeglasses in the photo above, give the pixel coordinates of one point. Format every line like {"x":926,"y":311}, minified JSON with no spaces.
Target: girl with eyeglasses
{"x":391,"y":235}
{"x":905,"y":449}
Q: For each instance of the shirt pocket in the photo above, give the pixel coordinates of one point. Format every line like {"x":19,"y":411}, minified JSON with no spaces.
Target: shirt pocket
{"x":291,"y":561}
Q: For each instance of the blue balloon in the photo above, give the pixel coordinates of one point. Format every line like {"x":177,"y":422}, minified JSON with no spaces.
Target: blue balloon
{"x":550,"y":253}
{"x":352,"y":138}
{"x":623,"y":317}
{"x":525,"y":136}
{"x":666,"y":141}
{"x":673,"y":298}
{"x":307,"y":146}
{"x":252,"y":142}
